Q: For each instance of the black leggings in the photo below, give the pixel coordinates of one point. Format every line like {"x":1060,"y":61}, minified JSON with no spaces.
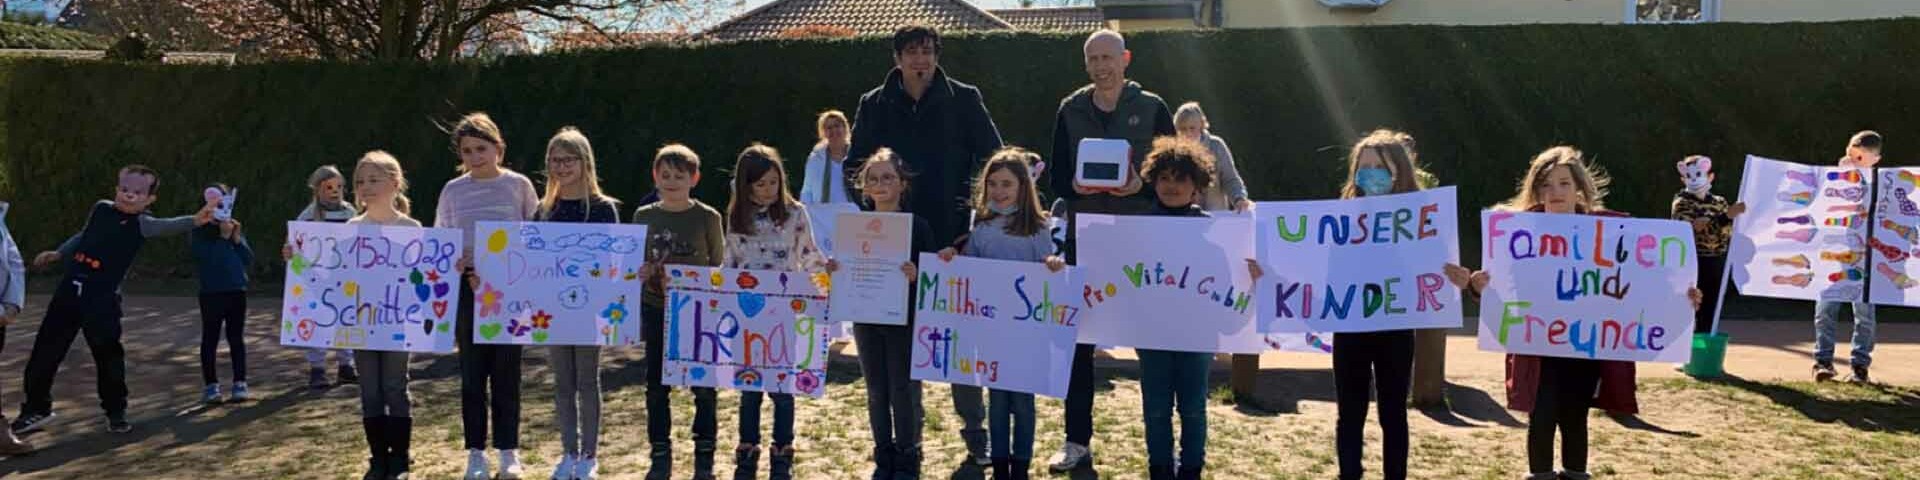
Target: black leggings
{"x":1708,"y":281}
{"x":1363,"y":364}
{"x":224,"y":312}
{"x":1567,"y":387}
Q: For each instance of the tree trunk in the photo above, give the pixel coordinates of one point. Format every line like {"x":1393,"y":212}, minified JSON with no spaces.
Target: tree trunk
{"x":1246,"y":368}
{"x":1429,"y":367}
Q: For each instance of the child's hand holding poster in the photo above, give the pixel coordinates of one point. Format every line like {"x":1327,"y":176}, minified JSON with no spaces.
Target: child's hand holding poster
{"x":1585,"y":286}
{"x":558,"y":283}
{"x":1167,"y":283}
{"x":756,"y":330}
{"x":369,"y":287}
{"x":996,"y":324}
{"x":1359,"y":265}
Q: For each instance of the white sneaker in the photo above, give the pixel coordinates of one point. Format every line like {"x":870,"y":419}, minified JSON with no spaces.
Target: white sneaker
{"x":586,"y":469}
{"x":510,"y":468}
{"x":1071,"y":455}
{"x":477,"y":465}
{"x":564,"y":469}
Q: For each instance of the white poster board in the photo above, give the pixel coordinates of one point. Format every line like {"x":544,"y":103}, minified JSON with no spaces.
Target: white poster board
{"x":1804,"y":233}
{"x":370,"y":287}
{"x":752,"y":330}
{"x":1586,"y":286}
{"x":1892,"y":246}
{"x":1167,"y":283}
{"x":1359,"y":265}
{"x":995,"y":324}
{"x":545,"y":283}
{"x":868,"y":287}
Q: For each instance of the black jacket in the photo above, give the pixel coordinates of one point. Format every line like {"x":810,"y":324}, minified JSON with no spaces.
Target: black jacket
{"x":945,"y":137}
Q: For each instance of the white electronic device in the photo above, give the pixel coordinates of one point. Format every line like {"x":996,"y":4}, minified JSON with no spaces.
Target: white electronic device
{"x":1103,"y":162}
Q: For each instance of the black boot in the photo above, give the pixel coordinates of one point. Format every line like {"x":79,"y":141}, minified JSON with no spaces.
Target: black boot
{"x":662,"y":462}
{"x":1019,"y":468}
{"x":399,"y":447}
{"x":906,"y":463}
{"x":746,"y":462}
{"x":1190,"y":472}
{"x":882,"y":463}
{"x":703,"y":460}
{"x":377,"y":446}
{"x":1002,"y":469}
{"x":780,"y":467}
{"x":1160,"y":472}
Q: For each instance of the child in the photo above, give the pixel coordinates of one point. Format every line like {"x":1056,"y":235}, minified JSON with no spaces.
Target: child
{"x":1009,"y":225}
{"x":88,"y":297}
{"x":223,"y":256}
{"x":1560,"y":180}
{"x":893,"y":396}
{"x":385,"y":405}
{"x":328,"y":205}
{"x":1863,"y":152}
{"x":1712,"y":219}
{"x":573,"y":195}
{"x":485,"y":192}
{"x":13,"y":295}
{"x":680,"y":231}
{"x":1178,"y":171}
{"x":766,"y":230}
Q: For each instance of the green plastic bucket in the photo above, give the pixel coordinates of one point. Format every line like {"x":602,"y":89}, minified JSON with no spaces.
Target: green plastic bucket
{"x":1709,"y":355}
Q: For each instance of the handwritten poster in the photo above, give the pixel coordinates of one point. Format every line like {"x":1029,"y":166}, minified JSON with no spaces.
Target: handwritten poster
{"x":755,"y":330}
{"x":370,"y":287}
{"x":1585,"y":286}
{"x":1893,"y":243}
{"x":1804,"y":233}
{"x":1167,"y":283}
{"x":558,"y":283}
{"x":824,"y":217}
{"x":996,"y":324}
{"x":869,"y":287}
{"x":1359,"y":265}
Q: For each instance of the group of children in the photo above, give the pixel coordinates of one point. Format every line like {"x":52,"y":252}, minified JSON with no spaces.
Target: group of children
{"x":766,"y":227}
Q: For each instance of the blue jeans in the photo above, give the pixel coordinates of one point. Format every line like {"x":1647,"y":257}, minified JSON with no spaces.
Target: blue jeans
{"x":1826,"y":323}
{"x":1170,"y":380}
{"x":1012,"y":424}
{"x":750,"y":418}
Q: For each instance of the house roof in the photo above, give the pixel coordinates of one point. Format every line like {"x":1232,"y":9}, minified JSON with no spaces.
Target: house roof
{"x":1070,"y":19}
{"x":880,"y":17}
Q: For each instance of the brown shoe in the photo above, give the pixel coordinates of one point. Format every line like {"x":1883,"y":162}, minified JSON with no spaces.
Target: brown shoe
{"x":11,"y":445}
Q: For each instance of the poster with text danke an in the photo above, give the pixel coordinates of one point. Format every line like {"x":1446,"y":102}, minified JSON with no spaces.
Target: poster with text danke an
{"x":546,"y":283}
{"x":752,"y":330}
{"x":994,"y":323}
{"x":1583,"y":286}
{"x":370,"y":287}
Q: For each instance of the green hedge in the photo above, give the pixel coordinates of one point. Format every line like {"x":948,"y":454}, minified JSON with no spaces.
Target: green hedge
{"x":15,"y":35}
{"x":1481,"y":101}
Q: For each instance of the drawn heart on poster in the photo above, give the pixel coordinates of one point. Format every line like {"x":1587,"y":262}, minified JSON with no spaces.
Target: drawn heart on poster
{"x":440,"y":290}
{"x":440,"y":309}
{"x":540,"y":336}
{"x":427,"y":326}
{"x":488,"y":331}
{"x":752,"y":303}
{"x":421,"y":290}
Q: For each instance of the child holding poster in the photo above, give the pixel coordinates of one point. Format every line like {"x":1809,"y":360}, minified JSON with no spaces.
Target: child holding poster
{"x":1863,"y":152}
{"x":766,"y":230}
{"x":222,"y":256}
{"x":682,"y":231}
{"x":380,"y":186}
{"x":1178,"y":170}
{"x":1008,"y":225}
{"x":1712,"y":219}
{"x":486,"y":191}
{"x":1370,"y":363}
{"x":329,"y":205}
{"x":893,"y":397}
{"x":573,"y":196}
{"x":1558,"y":391}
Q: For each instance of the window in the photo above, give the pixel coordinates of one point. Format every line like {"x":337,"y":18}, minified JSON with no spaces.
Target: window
{"x":1672,"y":11}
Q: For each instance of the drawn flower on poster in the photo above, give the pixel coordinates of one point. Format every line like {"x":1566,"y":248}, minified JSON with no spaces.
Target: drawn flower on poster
{"x":489,"y":300}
